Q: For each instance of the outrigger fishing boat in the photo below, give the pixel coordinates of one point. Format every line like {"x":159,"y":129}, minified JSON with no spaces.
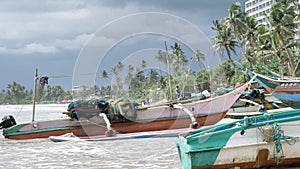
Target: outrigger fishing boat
{"x":100,"y":118}
{"x":285,"y":89}
{"x":253,"y":100}
{"x":269,"y":140}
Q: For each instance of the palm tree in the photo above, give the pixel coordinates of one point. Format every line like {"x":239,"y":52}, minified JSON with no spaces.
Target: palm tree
{"x":104,"y":74}
{"x":225,"y":41}
{"x":130,"y":73}
{"x":16,"y":92}
{"x":48,"y":93}
{"x":279,"y":38}
{"x":153,"y":76}
{"x":250,"y":38}
{"x":116,"y":71}
{"x":243,"y":28}
{"x":262,"y":44}
{"x":130,"y":68}
{"x":198,"y":56}
{"x":236,"y":21}
{"x":143,"y":64}
{"x":161,"y":57}
{"x":282,"y":33}
{"x":217,"y":25}
{"x":120,"y":66}
{"x":178,"y":58}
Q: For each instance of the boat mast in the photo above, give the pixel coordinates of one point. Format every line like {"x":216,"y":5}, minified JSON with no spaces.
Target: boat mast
{"x":168,"y":67}
{"x":34,"y":94}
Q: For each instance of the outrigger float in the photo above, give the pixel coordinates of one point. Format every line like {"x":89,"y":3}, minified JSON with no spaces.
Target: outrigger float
{"x":269,"y":140}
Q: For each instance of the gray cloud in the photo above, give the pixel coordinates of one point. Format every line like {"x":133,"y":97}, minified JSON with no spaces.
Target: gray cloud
{"x":181,"y":5}
{"x":51,"y":30}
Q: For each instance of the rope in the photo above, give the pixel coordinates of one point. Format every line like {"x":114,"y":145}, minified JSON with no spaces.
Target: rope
{"x":276,"y":136}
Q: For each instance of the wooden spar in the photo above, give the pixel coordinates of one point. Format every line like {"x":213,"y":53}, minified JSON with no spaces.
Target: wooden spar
{"x":34,"y":94}
{"x":168,"y":67}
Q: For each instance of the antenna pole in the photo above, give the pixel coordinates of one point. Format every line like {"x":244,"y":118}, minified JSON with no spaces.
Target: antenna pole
{"x":34,"y":94}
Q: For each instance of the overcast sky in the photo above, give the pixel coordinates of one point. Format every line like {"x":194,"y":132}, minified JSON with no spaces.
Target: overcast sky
{"x":56,"y":36}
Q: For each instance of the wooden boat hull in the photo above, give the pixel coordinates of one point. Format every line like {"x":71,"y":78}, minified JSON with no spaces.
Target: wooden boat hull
{"x":50,"y":128}
{"x":164,"y":117}
{"x":255,"y":156}
{"x":85,"y":128}
{"x":288,"y":91}
{"x":254,"y":142}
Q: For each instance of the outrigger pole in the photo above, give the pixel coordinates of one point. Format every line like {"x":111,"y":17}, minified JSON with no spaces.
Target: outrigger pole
{"x":34,"y":94}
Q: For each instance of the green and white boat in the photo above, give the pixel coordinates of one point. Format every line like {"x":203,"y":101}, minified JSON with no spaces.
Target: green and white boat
{"x":286,"y":89}
{"x":269,"y":140}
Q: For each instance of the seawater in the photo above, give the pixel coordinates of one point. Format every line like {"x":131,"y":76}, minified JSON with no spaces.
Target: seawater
{"x":146,"y":153}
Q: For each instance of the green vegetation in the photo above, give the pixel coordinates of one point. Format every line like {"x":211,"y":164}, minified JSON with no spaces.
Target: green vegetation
{"x":17,"y":94}
{"x":273,"y":46}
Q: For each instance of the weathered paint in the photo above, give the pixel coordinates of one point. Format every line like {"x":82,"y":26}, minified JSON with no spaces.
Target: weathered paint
{"x":288,"y":91}
{"x":88,"y":129}
{"x":239,"y":143}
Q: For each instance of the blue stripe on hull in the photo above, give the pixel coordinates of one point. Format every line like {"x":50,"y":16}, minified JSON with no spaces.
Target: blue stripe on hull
{"x":291,"y":100}
{"x":292,"y":97}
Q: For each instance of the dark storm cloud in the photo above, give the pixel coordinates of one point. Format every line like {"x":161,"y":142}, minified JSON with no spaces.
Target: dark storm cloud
{"x":49,"y":34}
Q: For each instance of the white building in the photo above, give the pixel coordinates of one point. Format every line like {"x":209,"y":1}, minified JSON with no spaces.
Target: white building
{"x":260,"y":9}
{"x":79,"y":88}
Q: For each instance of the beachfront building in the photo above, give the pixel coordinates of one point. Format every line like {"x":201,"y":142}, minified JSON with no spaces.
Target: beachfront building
{"x":260,"y":9}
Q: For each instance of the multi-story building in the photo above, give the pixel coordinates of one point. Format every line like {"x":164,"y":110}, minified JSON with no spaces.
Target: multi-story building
{"x":260,"y":9}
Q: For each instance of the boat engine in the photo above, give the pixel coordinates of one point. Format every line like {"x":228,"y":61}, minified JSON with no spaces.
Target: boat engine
{"x":7,"y":121}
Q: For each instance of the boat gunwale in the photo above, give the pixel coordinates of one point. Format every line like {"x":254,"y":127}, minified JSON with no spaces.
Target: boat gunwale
{"x":239,"y":125}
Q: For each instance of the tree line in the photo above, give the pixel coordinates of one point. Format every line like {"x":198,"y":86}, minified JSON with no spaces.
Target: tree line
{"x":17,"y":94}
{"x":274,"y":45}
